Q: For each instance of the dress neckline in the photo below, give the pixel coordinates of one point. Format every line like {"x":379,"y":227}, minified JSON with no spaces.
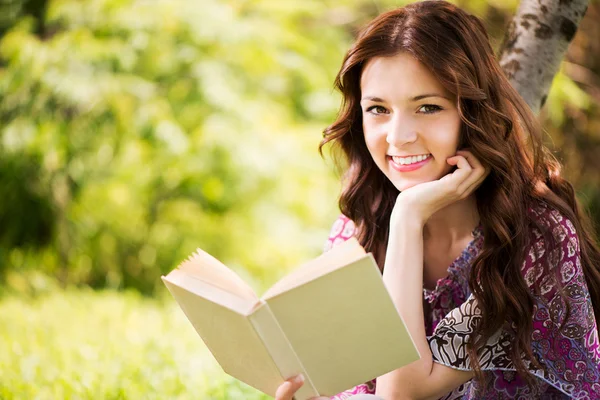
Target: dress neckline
{"x":459,"y":269}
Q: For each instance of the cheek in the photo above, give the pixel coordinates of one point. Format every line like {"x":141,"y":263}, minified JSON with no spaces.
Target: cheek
{"x":371,"y":144}
{"x":374,"y":141}
{"x":446,"y":142}
{"x":444,"y":147}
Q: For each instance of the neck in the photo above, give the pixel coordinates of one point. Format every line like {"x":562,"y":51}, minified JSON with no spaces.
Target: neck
{"x":454,"y":222}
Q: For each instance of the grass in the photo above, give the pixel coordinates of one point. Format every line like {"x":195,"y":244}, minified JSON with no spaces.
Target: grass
{"x":80,"y":344}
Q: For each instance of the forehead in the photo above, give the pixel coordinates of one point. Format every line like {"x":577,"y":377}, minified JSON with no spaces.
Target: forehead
{"x":399,"y":76}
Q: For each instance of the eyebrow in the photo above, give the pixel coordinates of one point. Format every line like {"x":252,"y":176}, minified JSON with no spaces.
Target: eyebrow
{"x":416,"y":98}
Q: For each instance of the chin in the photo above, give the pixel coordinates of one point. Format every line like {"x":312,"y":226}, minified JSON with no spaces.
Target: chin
{"x":404,"y":185}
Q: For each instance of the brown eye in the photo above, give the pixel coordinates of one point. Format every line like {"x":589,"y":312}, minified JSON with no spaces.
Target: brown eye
{"x":377,"y":110}
{"x":430,"y":108}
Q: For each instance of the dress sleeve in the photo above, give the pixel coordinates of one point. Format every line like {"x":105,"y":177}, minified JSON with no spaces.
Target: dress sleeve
{"x":564,"y":338}
{"x":565,"y":334}
{"x":343,"y":229}
{"x":363,"y":388}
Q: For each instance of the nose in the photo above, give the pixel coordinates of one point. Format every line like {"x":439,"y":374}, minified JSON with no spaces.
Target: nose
{"x":401,"y":131}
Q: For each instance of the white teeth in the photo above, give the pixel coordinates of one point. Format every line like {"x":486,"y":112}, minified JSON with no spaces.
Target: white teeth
{"x":409,"y":160}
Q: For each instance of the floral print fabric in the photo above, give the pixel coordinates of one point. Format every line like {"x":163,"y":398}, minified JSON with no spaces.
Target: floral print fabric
{"x":568,"y":349}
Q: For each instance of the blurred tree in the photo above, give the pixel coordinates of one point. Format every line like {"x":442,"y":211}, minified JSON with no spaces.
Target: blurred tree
{"x":535,"y":44}
{"x":27,"y":217}
{"x":532,"y":51}
{"x":26,"y":210}
{"x":11,"y":11}
{"x":572,"y":113}
{"x":158,"y":128}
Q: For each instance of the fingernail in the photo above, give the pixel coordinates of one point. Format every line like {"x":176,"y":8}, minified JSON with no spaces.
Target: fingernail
{"x":300,"y":378}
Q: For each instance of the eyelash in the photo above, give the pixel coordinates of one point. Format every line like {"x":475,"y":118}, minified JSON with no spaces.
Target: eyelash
{"x":436,"y":107}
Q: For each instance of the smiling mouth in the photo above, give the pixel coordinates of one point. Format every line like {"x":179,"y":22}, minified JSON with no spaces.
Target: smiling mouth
{"x":409,"y":165}
{"x":409,"y":160}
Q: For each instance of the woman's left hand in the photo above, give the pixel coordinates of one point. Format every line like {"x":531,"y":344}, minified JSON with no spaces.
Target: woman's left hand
{"x":425,"y":199}
{"x":288,"y":388}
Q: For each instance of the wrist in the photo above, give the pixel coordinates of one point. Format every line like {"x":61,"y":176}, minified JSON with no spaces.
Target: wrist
{"x":406,"y":219}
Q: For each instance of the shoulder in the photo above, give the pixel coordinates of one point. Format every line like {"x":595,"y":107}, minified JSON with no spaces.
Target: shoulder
{"x":342,"y":229}
{"x":552,"y":256}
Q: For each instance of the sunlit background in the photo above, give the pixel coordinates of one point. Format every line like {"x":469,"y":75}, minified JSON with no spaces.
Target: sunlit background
{"x":132,"y":132}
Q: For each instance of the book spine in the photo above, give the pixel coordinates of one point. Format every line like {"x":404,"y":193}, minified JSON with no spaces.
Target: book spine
{"x":281,"y":350}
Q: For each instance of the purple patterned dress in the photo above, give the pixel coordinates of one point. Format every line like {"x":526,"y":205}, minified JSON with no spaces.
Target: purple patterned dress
{"x":568,"y":350}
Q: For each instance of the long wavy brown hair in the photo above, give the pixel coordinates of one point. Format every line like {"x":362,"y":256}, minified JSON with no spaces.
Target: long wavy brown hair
{"x":499,"y":128}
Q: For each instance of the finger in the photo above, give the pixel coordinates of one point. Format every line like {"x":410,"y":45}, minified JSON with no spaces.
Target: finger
{"x":468,"y":177}
{"x":287,"y":389}
{"x":469,"y":185}
{"x":462,"y":172}
{"x":474,"y":161}
{"x":478,"y":174}
{"x":471,"y":188}
{"x":284,"y":391}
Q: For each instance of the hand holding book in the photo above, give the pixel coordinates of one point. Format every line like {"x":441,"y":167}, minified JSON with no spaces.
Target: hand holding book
{"x":287,"y":389}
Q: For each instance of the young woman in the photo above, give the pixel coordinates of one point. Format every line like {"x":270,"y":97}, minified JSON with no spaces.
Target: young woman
{"x":482,"y":245}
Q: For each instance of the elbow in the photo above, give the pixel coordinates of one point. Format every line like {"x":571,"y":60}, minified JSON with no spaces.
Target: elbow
{"x":411,"y":382}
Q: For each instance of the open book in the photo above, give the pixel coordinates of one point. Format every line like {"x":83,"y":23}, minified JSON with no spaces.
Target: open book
{"x":331,"y":319}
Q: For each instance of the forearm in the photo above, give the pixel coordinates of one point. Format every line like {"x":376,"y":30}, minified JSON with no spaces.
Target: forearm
{"x":403,"y":277}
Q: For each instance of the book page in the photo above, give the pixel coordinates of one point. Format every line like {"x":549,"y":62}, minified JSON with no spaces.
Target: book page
{"x":231,"y":338}
{"x":344,"y":327}
{"x":211,"y":292}
{"x":339,"y":256}
{"x":205,"y":267}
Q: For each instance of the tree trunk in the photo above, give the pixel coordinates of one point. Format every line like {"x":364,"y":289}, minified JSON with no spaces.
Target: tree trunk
{"x":536,"y":42}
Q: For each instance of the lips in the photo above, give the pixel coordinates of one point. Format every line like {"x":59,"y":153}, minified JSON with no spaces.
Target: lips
{"x":408,"y":167}
{"x":400,"y":160}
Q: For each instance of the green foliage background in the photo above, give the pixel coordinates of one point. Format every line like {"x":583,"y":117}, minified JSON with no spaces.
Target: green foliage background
{"x":146,"y":129}
{"x":135,"y":131}
{"x":132,"y":132}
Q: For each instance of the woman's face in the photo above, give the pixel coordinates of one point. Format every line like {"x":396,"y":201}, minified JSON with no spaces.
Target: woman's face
{"x":410,"y":122}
